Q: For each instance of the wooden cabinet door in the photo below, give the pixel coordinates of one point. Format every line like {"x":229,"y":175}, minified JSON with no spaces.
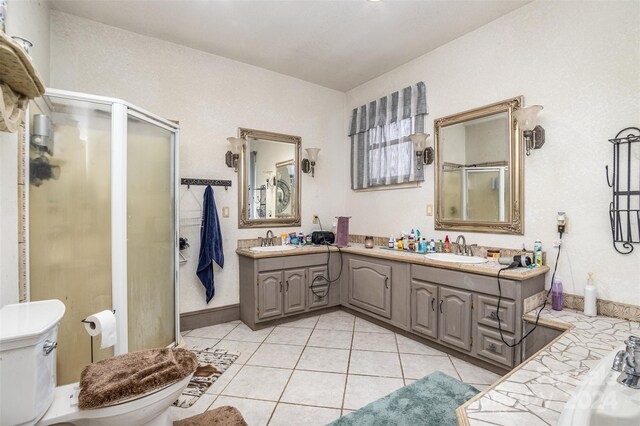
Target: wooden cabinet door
{"x":424,"y":309}
{"x":319,"y":296}
{"x":295,"y":291}
{"x":269,"y":295}
{"x":370,"y":287}
{"x":455,"y":318}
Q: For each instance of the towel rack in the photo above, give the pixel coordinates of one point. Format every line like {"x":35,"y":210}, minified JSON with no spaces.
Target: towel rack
{"x":212,"y":182}
{"x":624,"y":209}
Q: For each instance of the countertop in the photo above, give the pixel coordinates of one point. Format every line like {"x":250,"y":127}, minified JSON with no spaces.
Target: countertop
{"x":535,"y":392}
{"x":490,"y":268}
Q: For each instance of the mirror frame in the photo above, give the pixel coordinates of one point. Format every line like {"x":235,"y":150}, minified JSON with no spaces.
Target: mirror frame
{"x":243,"y":194}
{"x":515,"y":224}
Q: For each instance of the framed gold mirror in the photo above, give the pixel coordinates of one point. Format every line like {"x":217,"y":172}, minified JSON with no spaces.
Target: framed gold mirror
{"x":269,"y":169}
{"x":479,"y":176}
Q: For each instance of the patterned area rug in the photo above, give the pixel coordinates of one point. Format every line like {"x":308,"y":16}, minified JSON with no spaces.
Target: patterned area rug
{"x":211,"y":364}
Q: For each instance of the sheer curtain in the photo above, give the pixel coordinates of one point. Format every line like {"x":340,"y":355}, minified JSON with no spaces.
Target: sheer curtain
{"x":381,"y":151}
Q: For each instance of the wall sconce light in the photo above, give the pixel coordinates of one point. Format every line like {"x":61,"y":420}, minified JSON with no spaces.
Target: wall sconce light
{"x":423,"y":152}
{"x":270,"y":178}
{"x":533,"y":134}
{"x":231,"y":157}
{"x":310,"y":164}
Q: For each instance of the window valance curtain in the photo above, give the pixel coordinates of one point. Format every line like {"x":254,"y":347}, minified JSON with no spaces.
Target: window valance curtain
{"x":381,"y":151}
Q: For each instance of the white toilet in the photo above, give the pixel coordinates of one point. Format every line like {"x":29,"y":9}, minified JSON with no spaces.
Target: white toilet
{"x":28,"y":333}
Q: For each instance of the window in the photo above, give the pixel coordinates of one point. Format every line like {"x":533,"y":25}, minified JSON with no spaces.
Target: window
{"x":381,"y":151}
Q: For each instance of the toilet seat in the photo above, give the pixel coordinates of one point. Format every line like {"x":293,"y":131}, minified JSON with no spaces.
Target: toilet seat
{"x":132,"y":411}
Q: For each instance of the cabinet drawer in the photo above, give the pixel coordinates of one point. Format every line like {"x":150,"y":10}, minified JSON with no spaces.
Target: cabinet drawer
{"x":492,"y":348}
{"x":486,"y":313}
{"x":320,"y":298}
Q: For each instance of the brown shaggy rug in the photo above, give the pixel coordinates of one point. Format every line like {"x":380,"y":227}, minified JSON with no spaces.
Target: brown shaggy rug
{"x":221,"y":416}
{"x":113,"y":380}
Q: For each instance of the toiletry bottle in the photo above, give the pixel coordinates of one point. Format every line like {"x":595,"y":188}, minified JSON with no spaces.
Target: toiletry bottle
{"x":432,"y":246}
{"x":288,"y":240}
{"x":400,"y":244}
{"x":417,"y":237}
{"x":440,"y":246}
{"x":392,"y":241}
{"x":425,"y":244}
{"x":300,"y":238}
{"x":537,"y":253}
{"x":447,"y":244}
{"x":283,"y":237}
{"x":412,"y":240}
{"x":419,"y":246}
{"x":557,"y":299}
{"x":590,"y":301}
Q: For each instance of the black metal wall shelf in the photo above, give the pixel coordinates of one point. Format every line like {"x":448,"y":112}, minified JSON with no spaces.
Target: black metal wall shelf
{"x":624,"y":209}
{"x":212,"y":182}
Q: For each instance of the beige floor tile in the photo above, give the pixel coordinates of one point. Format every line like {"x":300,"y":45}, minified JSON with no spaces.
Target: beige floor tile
{"x":410,"y":346}
{"x":272,"y":355}
{"x":343,"y":323}
{"x":339,"y":313}
{"x":246,"y":349}
{"x":418,"y":366}
{"x":217,"y":331}
{"x":258,"y":383}
{"x":331,"y":339}
{"x":290,"y":414}
{"x":374,"y":342}
{"x":255,"y":413}
{"x":199,"y":343}
{"x":245,"y":334}
{"x":361,"y":390}
{"x":302,"y":323}
{"x":313,"y":388}
{"x":383,"y":364}
{"x":470,"y":373}
{"x":224,"y":379}
{"x":289,"y":335}
{"x":329,"y":360}
{"x":369,"y":327}
{"x":200,"y":406}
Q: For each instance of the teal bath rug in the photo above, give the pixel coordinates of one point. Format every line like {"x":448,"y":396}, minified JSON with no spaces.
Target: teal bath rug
{"x":430,"y":401}
{"x":211,"y":365}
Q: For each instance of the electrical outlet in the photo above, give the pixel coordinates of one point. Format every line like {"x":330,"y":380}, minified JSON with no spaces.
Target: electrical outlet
{"x":557,"y":243}
{"x":562,"y":223}
{"x":315,"y":219}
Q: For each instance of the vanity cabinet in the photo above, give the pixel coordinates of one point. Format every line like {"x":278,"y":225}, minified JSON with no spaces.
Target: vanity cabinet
{"x":377,"y":287}
{"x":424,"y":313}
{"x":273,"y":288}
{"x":370,"y":286}
{"x":455,"y":317}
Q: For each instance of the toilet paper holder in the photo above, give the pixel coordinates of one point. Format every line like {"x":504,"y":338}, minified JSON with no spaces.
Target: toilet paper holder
{"x":92,"y":325}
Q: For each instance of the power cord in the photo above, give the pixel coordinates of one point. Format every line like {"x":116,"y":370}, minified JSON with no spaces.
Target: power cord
{"x":515,"y":265}
{"x":316,"y":292}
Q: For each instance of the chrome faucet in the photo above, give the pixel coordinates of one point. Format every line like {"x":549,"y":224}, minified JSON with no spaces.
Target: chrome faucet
{"x":627,"y":362}
{"x":461,"y":248}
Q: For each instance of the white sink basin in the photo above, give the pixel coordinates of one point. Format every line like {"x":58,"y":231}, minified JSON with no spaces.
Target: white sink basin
{"x":455,"y":258}
{"x":272,"y":248}
{"x":599,"y":400}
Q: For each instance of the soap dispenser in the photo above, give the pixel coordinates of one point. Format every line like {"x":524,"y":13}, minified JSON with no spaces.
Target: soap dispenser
{"x":590,"y":300}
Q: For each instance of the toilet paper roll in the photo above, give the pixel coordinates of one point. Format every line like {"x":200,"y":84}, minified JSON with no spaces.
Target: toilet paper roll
{"x":102,"y":323}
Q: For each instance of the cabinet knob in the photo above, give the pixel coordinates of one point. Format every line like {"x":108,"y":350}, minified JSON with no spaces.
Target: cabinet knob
{"x":493,"y":315}
{"x":492,"y":347}
{"x":433,"y":306}
{"x":386,"y":282}
{"x":280,"y":286}
{"x":441,"y":305}
{"x":287,"y":285}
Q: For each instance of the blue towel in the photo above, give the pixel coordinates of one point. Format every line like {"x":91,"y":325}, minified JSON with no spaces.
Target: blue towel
{"x":210,"y":243}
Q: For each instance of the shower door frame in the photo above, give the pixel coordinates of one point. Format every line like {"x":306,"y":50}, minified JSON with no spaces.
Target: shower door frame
{"x":120,"y":110}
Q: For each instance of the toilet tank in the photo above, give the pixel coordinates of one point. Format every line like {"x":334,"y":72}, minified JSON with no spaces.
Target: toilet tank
{"x":28,"y":336}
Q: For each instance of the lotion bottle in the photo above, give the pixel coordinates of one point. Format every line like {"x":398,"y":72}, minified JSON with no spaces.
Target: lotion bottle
{"x":590,"y":300}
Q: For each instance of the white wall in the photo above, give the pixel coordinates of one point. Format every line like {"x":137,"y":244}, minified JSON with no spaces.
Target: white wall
{"x":211,"y":96}
{"x":28,"y":19}
{"x":582,"y":62}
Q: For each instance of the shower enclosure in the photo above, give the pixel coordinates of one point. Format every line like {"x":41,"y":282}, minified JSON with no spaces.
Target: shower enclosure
{"x":103,"y":222}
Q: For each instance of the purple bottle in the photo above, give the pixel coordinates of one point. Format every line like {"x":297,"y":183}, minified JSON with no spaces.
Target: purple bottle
{"x":556,"y":295}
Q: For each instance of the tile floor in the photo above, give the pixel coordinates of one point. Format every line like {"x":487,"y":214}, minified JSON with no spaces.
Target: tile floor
{"x":312,"y":371}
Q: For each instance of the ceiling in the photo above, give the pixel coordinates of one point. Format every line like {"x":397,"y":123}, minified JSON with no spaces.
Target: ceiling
{"x":336,"y":44}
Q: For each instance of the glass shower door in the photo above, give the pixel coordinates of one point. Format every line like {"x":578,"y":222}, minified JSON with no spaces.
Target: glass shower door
{"x":151,"y":234}
{"x":70,"y":226}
